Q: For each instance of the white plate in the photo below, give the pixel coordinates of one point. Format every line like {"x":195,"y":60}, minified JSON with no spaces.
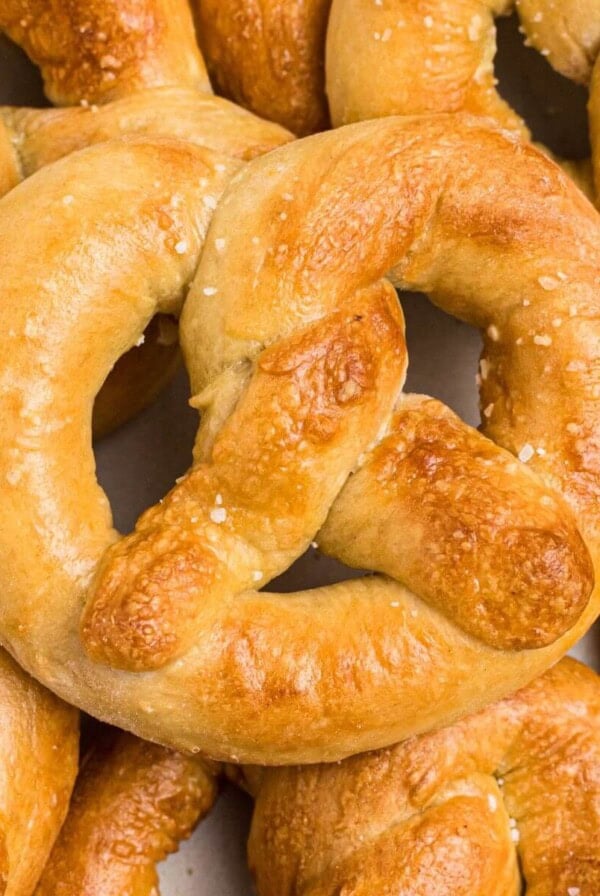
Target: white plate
{"x":139,"y":463}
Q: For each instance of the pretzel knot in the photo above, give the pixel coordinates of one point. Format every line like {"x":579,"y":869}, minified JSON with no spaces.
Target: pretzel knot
{"x":295,"y":349}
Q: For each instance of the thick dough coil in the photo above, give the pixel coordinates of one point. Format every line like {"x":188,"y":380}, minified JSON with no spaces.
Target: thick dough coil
{"x":296,"y":355}
{"x":502,"y":803}
{"x":39,"y":740}
{"x":132,"y":805}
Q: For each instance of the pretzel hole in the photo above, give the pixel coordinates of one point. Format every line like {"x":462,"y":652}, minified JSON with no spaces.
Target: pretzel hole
{"x":21,"y":82}
{"x":553,"y":107}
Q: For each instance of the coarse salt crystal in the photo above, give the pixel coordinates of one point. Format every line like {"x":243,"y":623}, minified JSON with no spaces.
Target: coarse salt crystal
{"x":181,"y":247}
{"x":210,"y":290}
{"x":218,"y":514}
{"x":526,"y":453}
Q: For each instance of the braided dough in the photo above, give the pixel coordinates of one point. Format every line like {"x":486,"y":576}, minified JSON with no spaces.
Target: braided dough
{"x":132,"y":804}
{"x":505,"y":802}
{"x":38,"y":756}
{"x":296,"y":355}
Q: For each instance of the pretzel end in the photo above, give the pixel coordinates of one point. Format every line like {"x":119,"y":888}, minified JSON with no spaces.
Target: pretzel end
{"x":141,"y":613}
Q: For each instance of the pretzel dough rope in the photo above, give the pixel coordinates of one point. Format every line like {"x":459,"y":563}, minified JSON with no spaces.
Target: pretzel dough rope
{"x":38,"y":756}
{"x":396,"y":57}
{"x":507,"y":797}
{"x":139,"y":60}
{"x":132,"y":805}
{"x":299,"y":374}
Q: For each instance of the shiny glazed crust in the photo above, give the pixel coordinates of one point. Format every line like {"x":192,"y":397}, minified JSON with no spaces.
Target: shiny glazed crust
{"x":132,"y":805}
{"x":398,"y":57}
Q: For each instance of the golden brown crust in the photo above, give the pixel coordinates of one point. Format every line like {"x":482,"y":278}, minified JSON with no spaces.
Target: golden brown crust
{"x":289,"y":413}
{"x":39,"y":739}
{"x":453,"y":517}
{"x":512,"y":789}
{"x":132,"y":805}
{"x":268,"y":55}
{"x":99,"y":50}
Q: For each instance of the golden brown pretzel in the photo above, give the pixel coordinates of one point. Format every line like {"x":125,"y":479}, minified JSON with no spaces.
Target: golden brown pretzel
{"x":296,"y":354}
{"x":268,"y":55}
{"x":132,"y":804}
{"x":38,"y":755}
{"x":388,"y":57}
{"x":141,"y":61}
{"x":505,"y":802}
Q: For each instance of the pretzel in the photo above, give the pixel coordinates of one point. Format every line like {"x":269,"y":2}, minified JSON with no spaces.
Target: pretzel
{"x":39,"y":756}
{"x":297,"y":359}
{"x":141,"y":62}
{"x":505,"y":801}
{"x":132,"y":805}
{"x":395,"y":57}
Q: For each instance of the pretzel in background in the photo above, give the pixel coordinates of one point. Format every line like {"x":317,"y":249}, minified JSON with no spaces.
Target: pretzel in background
{"x":303,"y":64}
{"x":39,"y":740}
{"x":120,"y":68}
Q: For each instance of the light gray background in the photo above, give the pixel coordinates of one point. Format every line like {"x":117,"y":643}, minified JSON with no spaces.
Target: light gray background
{"x":140,"y":462}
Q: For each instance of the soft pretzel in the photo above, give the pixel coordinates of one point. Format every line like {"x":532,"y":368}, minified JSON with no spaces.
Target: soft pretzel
{"x":389,"y":57}
{"x":505,"y":802}
{"x":132,"y":805}
{"x":38,"y":757}
{"x":141,"y":61}
{"x":296,"y":354}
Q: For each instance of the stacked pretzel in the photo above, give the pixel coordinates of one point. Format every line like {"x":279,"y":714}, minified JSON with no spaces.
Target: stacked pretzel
{"x":156,"y":198}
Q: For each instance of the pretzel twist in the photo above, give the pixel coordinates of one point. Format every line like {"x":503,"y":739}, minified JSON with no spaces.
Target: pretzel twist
{"x":296,"y":354}
{"x":38,"y":755}
{"x":504,"y":802}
